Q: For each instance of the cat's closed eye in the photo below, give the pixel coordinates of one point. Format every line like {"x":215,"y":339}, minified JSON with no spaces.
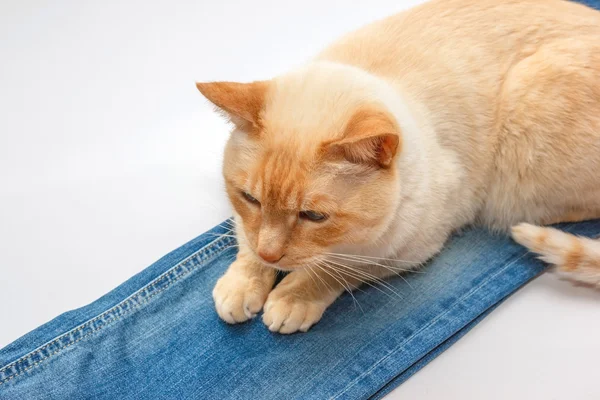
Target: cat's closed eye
{"x":250,"y":199}
{"x":313,"y":216}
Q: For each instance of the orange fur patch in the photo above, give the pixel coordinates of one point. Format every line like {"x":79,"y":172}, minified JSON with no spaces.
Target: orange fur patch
{"x":574,"y":256}
{"x":540,"y":241}
{"x":240,"y":100}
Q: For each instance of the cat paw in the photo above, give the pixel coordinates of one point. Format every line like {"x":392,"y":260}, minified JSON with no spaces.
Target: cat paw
{"x":239,"y":298}
{"x":286,"y":312}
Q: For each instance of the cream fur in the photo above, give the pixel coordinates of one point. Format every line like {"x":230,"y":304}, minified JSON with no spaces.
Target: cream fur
{"x":497,"y":104}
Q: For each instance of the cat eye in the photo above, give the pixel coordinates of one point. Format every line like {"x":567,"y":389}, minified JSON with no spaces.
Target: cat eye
{"x":312,"y":216}
{"x":250,"y":198}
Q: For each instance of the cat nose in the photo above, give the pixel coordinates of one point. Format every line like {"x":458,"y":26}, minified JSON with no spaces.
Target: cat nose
{"x":270,"y":257}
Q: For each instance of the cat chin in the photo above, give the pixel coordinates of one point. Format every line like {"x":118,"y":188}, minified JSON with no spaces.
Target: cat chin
{"x":282,"y":267}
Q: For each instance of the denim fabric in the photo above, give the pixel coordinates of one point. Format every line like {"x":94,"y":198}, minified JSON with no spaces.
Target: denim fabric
{"x":157,"y":336}
{"x":590,"y":3}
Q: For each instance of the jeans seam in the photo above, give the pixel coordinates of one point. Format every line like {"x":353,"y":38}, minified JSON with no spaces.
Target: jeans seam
{"x":474,"y":290}
{"x":434,"y":320}
{"x":204,"y":254}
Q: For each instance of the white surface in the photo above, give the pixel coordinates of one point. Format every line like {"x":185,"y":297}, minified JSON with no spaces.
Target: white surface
{"x":109,"y":159}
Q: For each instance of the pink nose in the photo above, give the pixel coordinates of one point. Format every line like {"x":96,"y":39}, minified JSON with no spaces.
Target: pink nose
{"x":270,"y":257}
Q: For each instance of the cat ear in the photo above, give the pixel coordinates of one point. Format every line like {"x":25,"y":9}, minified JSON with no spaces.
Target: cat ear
{"x":241,"y":102}
{"x":370,"y":137}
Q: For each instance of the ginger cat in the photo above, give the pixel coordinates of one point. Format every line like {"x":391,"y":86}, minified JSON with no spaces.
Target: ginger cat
{"x":456,"y":112}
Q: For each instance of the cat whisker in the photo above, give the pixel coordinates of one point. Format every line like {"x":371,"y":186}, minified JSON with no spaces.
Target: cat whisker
{"x":229,"y":223}
{"x":324,"y":264}
{"x":362,"y":274}
{"x":325,"y":284}
{"x":374,"y":258}
{"x":387,"y":267}
{"x":231,"y":247}
{"x":367,"y":261}
{"x":365,"y":277}
{"x":367,"y":281}
{"x":325,"y":271}
{"x":308,"y":272}
{"x":351,"y":287}
{"x":348,"y":288}
{"x":222,"y":235}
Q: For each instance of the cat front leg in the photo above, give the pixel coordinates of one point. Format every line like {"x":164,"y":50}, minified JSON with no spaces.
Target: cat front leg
{"x":299,"y":300}
{"x":240,"y":294}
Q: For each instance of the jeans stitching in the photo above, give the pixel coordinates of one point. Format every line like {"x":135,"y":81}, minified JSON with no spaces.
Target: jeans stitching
{"x":434,"y":320}
{"x":474,"y":290}
{"x":203,"y":254}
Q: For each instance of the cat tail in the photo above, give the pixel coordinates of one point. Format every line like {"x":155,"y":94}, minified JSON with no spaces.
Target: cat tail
{"x":576,"y":258}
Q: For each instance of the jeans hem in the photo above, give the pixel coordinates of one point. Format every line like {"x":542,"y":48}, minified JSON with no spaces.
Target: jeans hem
{"x":133,"y":302}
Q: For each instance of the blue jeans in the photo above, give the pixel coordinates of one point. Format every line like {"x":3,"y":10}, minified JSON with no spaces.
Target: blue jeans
{"x":157,"y":336}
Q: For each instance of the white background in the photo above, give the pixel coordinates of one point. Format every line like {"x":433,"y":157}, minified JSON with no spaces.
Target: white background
{"x":109,"y":159}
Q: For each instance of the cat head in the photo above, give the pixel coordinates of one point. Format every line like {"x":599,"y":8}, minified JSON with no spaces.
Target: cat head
{"x":310,"y":164}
